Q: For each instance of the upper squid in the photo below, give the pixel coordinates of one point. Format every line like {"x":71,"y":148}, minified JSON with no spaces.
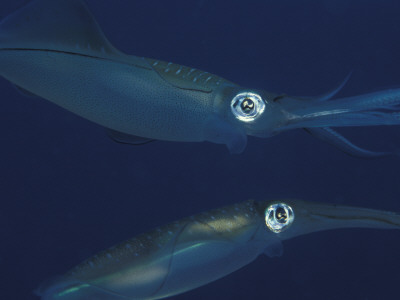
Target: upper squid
{"x":56,"y":50}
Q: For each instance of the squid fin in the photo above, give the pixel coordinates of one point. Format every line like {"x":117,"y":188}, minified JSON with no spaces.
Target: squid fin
{"x":124,"y":138}
{"x":63,"y":26}
{"x":332,"y":137}
{"x":61,"y":288}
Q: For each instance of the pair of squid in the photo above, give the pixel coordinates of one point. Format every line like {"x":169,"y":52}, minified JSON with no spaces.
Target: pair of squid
{"x":55,"y":49}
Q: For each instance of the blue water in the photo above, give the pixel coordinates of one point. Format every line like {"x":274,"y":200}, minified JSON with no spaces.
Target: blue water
{"x":67,"y":191}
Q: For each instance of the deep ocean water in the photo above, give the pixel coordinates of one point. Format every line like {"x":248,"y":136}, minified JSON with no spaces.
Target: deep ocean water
{"x":68,"y":191}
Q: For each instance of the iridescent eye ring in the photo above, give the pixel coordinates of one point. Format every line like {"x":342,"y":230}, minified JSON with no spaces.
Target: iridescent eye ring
{"x":278,"y":217}
{"x":247,"y":106}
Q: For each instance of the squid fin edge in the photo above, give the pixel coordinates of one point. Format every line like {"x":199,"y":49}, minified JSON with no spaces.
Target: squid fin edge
{"x":25,"y":92}
{"x":58,"y":289}
{"x":128,"y":139}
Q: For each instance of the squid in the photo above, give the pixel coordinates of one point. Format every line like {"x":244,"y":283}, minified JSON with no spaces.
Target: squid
{"x":194,"y":251}
{"x":56,"y":50}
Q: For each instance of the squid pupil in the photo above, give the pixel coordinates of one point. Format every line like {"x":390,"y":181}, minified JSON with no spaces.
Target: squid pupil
{"x":247,"y":105}
{"x":281,"y":215}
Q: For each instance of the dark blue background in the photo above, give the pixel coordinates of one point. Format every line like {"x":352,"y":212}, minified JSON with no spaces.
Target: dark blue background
{"x":67,"y":191}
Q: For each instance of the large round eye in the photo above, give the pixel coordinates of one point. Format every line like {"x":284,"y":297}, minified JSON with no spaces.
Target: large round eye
{"x":247,"y":106}
{"x":279,"y":217}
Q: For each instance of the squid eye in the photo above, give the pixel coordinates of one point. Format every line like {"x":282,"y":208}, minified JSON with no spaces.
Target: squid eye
{"x":278,"y":217}
{"x":247,"y":106}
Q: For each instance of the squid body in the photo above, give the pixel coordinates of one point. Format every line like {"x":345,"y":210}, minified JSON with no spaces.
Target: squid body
{"x":197,"y":250}
{"x":55,"y":49}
